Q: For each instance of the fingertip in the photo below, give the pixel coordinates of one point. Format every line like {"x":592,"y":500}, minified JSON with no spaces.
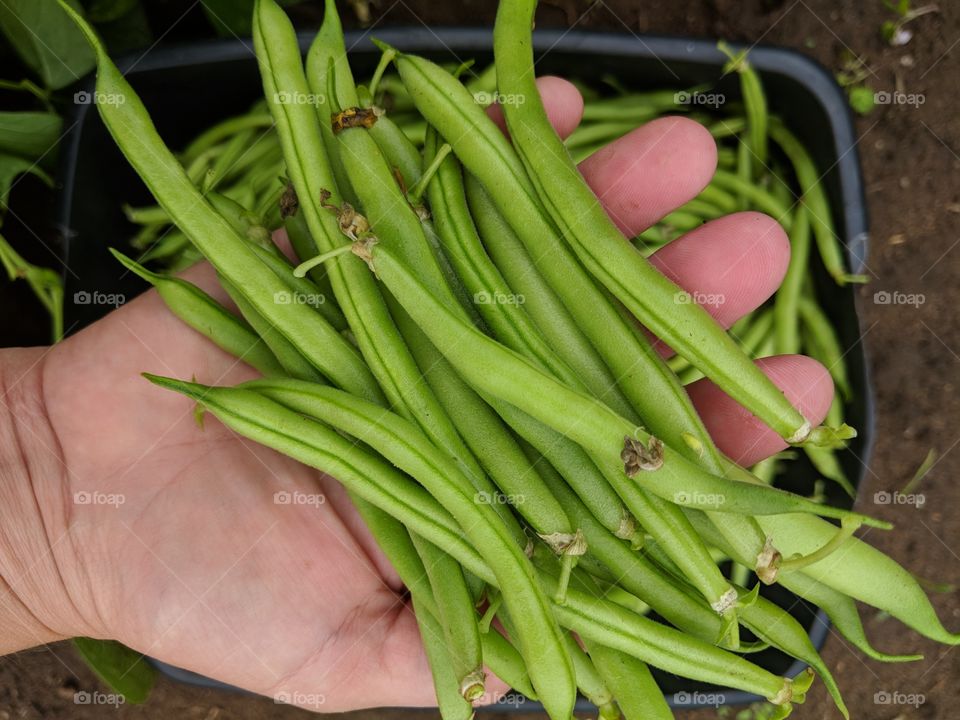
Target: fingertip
{"x":561,"y":100}
{"x":737,"y":261}
{"x":651,"y":171}
{"x":741,"y":435}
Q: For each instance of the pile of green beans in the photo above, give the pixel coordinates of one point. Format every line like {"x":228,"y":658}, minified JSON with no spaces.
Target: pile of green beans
{"x":473,"y":369}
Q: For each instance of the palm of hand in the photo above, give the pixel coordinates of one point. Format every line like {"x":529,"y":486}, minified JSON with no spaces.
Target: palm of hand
{"x":205,"y":567}
{"x":200,"y":567}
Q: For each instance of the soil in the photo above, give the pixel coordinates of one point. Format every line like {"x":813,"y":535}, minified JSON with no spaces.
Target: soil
{"x":910,"y":162}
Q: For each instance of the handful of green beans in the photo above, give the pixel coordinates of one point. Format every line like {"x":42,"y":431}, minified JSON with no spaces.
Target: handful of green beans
{"x":430,"y":407}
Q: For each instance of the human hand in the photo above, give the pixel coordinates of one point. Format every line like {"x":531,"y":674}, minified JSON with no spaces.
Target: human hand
{"x":201,"y":568}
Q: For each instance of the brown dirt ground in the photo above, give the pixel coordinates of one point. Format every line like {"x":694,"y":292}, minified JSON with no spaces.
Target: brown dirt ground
{"x":910,"y":162}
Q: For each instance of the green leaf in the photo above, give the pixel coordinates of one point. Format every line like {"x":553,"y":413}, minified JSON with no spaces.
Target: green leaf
{"x":32,"y":135}
{"x":123,"y":669}
{"x":11,"y":167}
{"x":47,"y":40}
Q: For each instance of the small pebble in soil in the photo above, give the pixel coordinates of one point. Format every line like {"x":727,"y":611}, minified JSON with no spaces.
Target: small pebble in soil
{"x":897,"y":239}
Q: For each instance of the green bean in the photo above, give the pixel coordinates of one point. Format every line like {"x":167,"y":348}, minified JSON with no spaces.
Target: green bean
{"x":785,"y":307}
{"x":400,"y":443}
{"x":815,"y":200}
{"x":823,"y":343}
{"x":687,"y":328}
{"x":486,"y":438}
{"x":671,"y":650}
{"x":843,"y":613}
{"x":719,"y":197}
{"x":223,"y":131}
{"x":591,"y":685}
{"x":396,"y":544}
{"x":633,"y":570}
{"x":205,"y":315}
{"x":629,"y":679}
{"x":860,"y":571}
{"x":633,"y":687}
{"x":457,"y":618}
{"x":601,"y":133}
{"x":450,"y":701}
{"x":293,"y":362}
{"x":553,"y":316}
{"x":778,"y":628}
{"x":304,"y":248}
{"x":170,"y":245}
{"x":760,"y":198}
{"x":136,"y":136}
{"x":755,"y":106}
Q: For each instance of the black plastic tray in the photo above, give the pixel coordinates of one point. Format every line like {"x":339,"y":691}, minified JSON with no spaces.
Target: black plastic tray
{"x":188,"y":88}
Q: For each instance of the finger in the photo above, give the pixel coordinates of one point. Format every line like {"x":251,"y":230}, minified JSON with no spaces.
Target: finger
{"x":562,"y":101}
{"x":651,"y":171}
{"x":730,"y":265}
{"x":741,"y":435}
